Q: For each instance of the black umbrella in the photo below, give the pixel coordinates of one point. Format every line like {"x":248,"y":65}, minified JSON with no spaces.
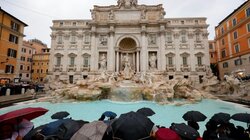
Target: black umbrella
{"x":60,"y":115}
{"x":194,"y":116}
{"x":132,"y":126}
{"x":33,"y":132}
{"x":243,"y":117}
{"x":221,"y":117}
{"x":63,"y":129}
{"x":185,"y":131}
{"x":146,"y":111}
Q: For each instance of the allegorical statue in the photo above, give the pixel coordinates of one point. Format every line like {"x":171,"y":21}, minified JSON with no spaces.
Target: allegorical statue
{"x":103,"y":61}
{"x":152,"y":61}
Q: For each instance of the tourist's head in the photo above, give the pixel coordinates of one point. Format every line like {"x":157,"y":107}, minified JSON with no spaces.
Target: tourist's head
{"x":6,"y":131}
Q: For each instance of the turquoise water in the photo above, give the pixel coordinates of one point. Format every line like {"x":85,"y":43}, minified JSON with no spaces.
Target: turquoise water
{"x":165,"y":114}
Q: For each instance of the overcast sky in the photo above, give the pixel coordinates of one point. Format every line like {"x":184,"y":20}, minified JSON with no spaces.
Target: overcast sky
{"x":38,"y":14}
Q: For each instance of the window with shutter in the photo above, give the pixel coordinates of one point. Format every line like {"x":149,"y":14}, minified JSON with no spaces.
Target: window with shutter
{"x":12,"y":69}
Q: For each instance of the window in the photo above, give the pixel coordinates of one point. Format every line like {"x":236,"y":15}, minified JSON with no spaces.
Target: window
{"x":29,"y":51}
{"x":170,"y":60}
{"x":22,"y":58}
{"x":210,"y":46}
{"x":182,"y":22}
{"x":186,"y":76}
{"x":41,"y":71}
{"x":87,"y":39}
{"x":72,"y":61}
{"x":238,"y":62}
{"x":59,"y":39}
{"x":21,"y":67}
{"x":170,"y":77}
{"x":14,"y":26}
{"x":183,"y":37}
{"x":24,"y":50}
{"x":11,"y":53}
{"x":58,"y":61}
{"x":222,"y":30}
{"x":73,"y":39}
{"x":85,"y":61}
{"x":61,"y":24}
{"x":225,"y":64}
{"x":20,"y":75}
{"x":74,"y":23}
{"x":196,"y":21}
{"x":223,"y":53}
{"x":37,"y":71}
{"x":28,"y":67}
{"x":197,"y":37}
{"x":27,"y":75}
{"x":212,"y":55}
{"x":169,"y":37}
{"x":235,"y":35}
{"x":9,"y":69}
{"x":223,"y":41}
{"x":248,"y":12}
{"x":13,"y":38}
{"x":248,"y":27}
{"x":47,"y":70}
{"x":199,"y":60}
{"x":234,"y":22}
{"x":248,"y":42}
{"x":184,"y":60}
{"x":237,"y":48}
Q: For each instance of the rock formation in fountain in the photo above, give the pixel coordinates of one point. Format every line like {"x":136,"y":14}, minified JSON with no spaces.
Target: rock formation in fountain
{"x":127,"y":86}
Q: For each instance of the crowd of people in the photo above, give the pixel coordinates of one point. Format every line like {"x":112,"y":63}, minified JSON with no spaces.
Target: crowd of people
{"x":128,"y":126}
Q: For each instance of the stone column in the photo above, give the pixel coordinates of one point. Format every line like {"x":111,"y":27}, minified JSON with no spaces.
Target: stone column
{"x":134,"y":61}
{"x":94,"y":53}
{"x":162,"y":64}
{"x":143,"y":57}
{"x":111,"y":53}
{"x":117,"y":61}
{"x":192,"y":59}
{"x":137,"y":61}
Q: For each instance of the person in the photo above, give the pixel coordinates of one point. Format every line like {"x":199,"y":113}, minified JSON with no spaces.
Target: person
{"x":193,"y":124}
{"x":152,"y":61}
{"x":6,"y":132}
{"x":102,"y":118}
{"x":12,"y":133}
{"x":103,"y":62}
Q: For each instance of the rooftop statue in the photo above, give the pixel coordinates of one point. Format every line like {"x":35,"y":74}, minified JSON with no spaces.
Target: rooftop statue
{"x":126,"y":3}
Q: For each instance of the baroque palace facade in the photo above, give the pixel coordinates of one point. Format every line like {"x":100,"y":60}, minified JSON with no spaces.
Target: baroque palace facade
{"x":129,"y":34}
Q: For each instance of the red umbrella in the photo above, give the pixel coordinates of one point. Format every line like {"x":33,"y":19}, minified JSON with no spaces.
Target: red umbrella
{"x":166,"y":134}
{"x":26,"y":113}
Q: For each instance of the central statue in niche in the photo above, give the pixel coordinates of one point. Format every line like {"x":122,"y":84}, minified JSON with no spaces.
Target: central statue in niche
{"x":127,"y":71}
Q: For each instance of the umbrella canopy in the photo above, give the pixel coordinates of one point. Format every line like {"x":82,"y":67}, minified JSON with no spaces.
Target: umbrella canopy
{"x":166,"y":134}
{"x":243,"y":117}
{"x":185,"y":131}
{"x":109,"y":114}
{"x":132,"y":126}
{"x":221,"y":117}
{"x":33,"y":132}
{"x":90,"y":131}
{"x":194,"y":116}
{"x":60,"y":115}
{"x":25,"y":113}
{"x":63,"y":128}
{"x":146,"y":111}
{"x":68,"y":129}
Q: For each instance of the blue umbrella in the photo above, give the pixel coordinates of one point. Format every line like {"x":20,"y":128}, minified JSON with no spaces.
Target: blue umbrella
{"x":109,"y":114}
